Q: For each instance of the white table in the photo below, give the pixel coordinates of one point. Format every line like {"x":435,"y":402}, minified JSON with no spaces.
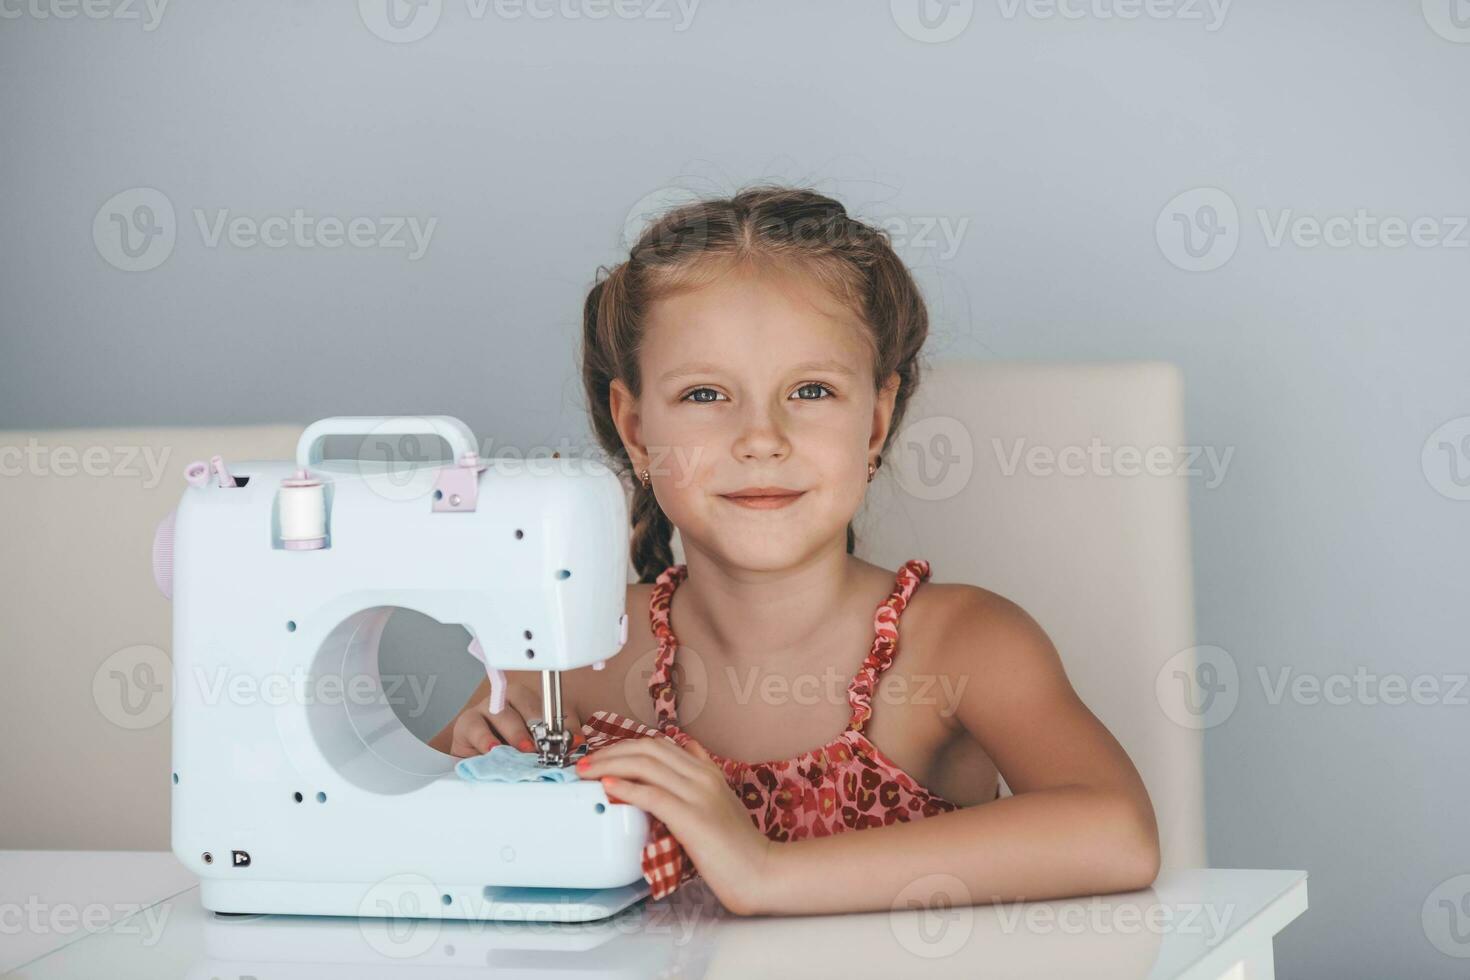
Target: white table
{"x":1200,"y":924}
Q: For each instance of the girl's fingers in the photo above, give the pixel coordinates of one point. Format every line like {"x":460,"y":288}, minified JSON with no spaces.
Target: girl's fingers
{"x":671,"y":752}
{"x":652,"y":799}
{"x":472,"y":735}
{"x":626,"y":765}
{"x":509,"y":725}
{"x":663,"y":749}
{"x":643,"y":767}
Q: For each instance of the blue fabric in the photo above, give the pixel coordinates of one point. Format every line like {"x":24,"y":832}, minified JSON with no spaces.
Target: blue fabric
{"x":508,"y":764}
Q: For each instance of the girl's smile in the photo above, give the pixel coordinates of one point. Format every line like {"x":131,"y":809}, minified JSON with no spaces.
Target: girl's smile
{"x":763,"y":501}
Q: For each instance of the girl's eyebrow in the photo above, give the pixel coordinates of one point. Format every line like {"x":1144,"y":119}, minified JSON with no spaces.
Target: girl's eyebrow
{"x":685,"y":370}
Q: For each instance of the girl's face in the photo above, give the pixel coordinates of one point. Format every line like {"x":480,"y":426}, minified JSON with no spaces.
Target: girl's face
{"x":758,"y":379}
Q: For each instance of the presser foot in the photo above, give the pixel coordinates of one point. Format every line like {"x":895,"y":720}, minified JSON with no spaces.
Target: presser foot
{"x":554,"y":747}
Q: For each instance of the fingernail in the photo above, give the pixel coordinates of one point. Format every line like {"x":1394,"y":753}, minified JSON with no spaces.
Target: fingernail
{"x":583,"y":763}
{"x":525,"y":745}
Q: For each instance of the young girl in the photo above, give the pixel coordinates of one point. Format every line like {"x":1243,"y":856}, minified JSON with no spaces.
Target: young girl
{"x":751,"y":360}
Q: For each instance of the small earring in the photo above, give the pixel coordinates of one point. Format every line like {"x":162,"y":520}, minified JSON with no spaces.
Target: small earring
{"x":645,"y":479}
{"x":871,"y":470}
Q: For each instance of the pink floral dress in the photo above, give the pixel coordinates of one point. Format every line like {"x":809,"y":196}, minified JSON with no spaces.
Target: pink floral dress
{"x":847,"y":784}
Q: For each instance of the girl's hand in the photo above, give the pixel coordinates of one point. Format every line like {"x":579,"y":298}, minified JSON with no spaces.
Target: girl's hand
{"x":686,"y":789}
{"x":475,"y":730}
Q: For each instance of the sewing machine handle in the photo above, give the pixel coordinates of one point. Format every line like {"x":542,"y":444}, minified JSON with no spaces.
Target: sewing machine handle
{"x":454,"y":432}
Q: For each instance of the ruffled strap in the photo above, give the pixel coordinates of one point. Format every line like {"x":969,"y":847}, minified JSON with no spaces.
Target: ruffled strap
{"x":885,"y":641}
{"x":660,"y":684}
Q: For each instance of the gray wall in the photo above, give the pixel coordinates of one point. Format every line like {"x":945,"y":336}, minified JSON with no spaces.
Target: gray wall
{"x":1049,"y":148}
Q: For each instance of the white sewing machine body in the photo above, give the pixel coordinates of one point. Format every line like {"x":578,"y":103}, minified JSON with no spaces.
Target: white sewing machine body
{"x":299,"y":790}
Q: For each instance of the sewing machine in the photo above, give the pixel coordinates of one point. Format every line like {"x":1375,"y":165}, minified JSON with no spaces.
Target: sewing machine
{"x":296,"y":788}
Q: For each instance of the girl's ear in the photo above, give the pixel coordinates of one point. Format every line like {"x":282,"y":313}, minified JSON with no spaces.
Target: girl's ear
{"x":883,"y":412}
{"x":624,"y":409}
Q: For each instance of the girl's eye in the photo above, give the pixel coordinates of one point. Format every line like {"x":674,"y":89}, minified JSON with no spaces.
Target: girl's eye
{"x":818,"y":386}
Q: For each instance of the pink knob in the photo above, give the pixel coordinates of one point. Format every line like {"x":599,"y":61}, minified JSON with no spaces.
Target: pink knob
{"x":225,"y":479}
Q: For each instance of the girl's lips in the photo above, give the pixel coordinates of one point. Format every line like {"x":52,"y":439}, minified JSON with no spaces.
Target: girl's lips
{"x":764,"y":503}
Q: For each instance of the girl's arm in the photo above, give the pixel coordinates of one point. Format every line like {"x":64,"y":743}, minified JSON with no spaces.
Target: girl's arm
{"x":1080,"y":822}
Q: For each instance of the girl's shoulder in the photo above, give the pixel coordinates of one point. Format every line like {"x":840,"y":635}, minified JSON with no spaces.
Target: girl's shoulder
{"x":961,"y":600}
{"x":951,"y":625}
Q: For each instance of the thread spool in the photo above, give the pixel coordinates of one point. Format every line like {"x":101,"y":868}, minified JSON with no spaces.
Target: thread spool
{"x":302,"y":503}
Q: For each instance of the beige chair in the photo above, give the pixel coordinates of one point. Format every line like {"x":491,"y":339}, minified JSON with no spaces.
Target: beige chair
{"x":1097,"y":552}
{"x":1102,"y":562}
{"x":76,"y":600}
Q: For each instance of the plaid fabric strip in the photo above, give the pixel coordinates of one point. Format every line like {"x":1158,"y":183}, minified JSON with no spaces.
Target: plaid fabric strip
{"x":665,"y":864}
